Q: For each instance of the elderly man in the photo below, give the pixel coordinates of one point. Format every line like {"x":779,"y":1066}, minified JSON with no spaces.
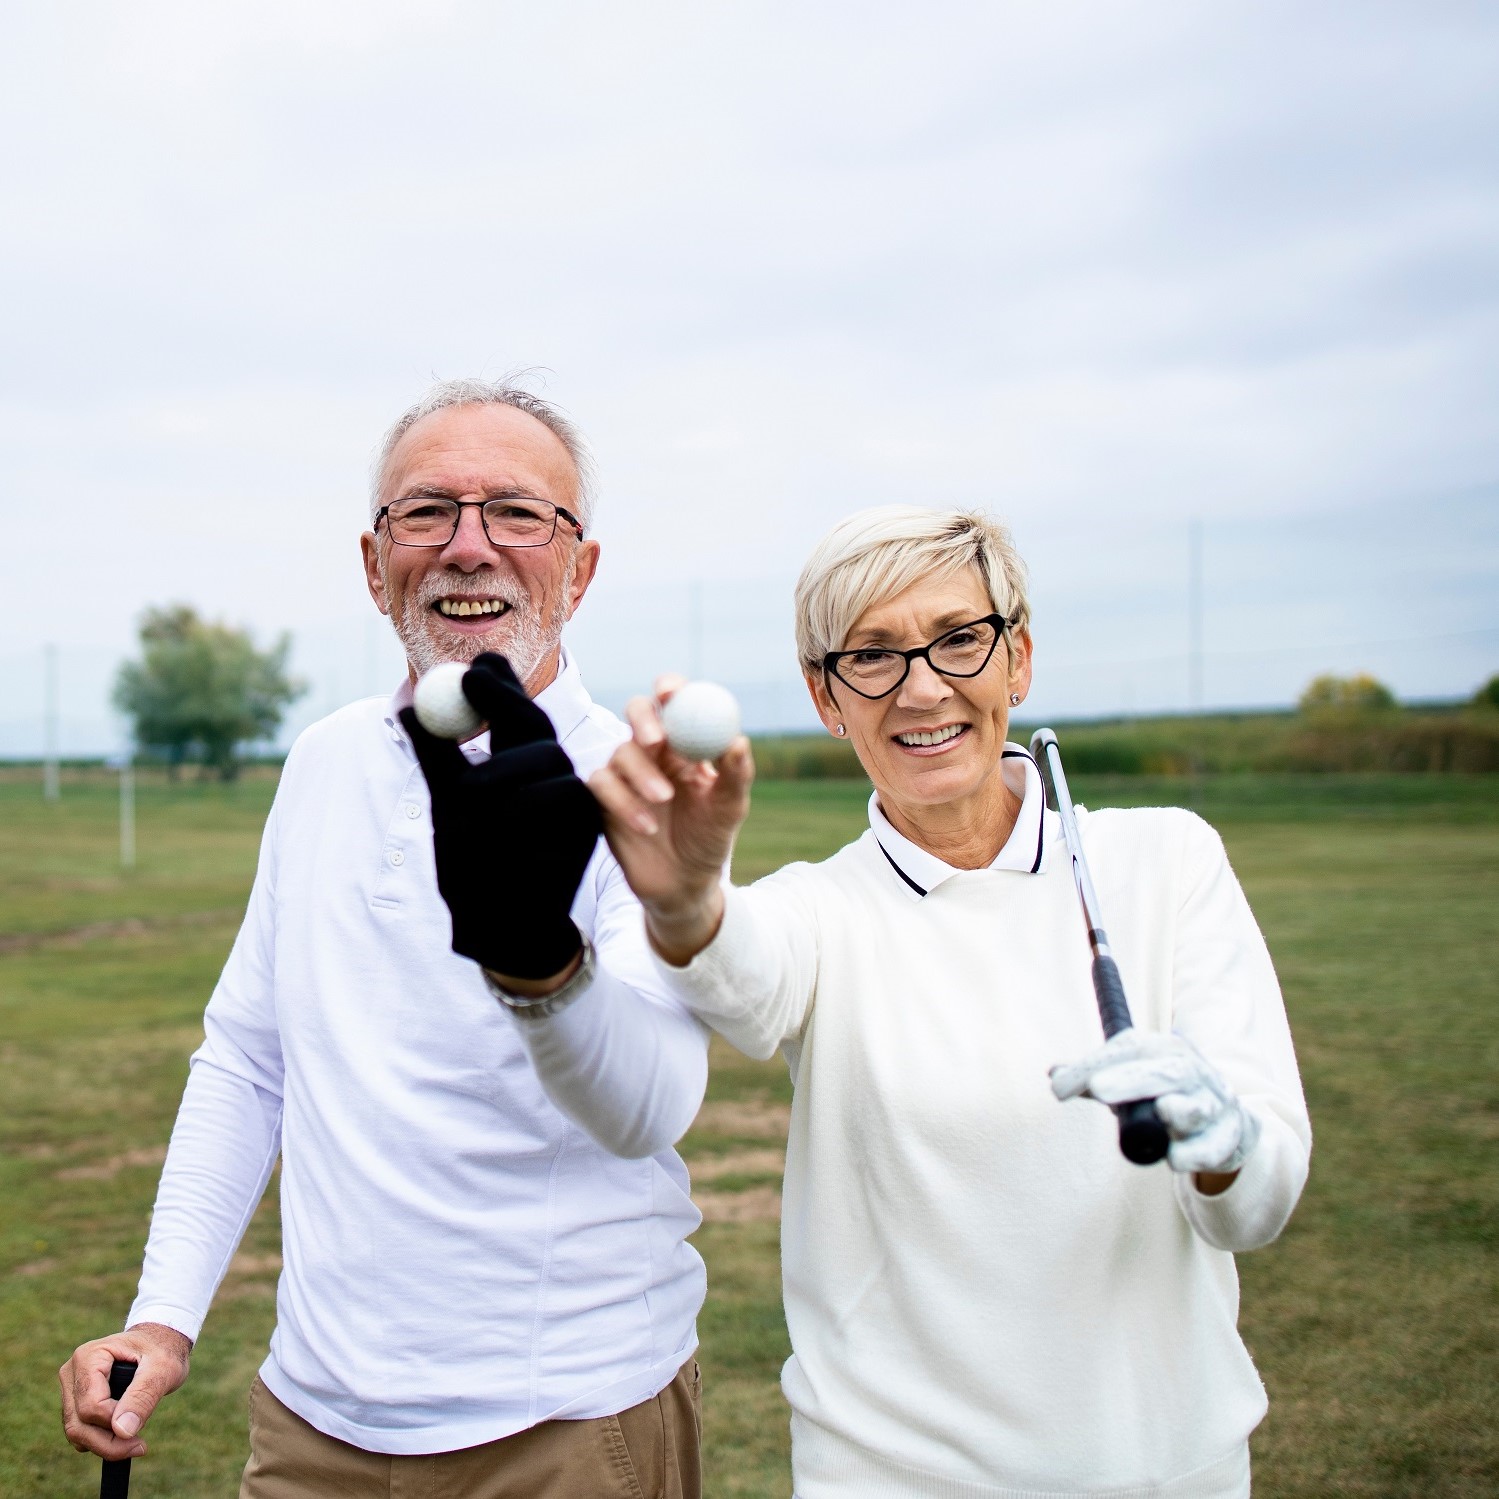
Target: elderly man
{"x":477,"y":1297}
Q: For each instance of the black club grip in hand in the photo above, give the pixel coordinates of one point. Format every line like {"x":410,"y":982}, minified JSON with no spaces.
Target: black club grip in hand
{"x":1142,"y":1136}
{"x":114,"y":1480}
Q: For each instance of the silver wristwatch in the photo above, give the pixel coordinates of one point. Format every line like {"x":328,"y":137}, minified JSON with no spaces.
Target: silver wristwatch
{"x":527,"y":1007}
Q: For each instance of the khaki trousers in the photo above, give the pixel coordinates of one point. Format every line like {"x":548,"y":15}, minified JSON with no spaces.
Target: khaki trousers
{"x":647,"y":1452}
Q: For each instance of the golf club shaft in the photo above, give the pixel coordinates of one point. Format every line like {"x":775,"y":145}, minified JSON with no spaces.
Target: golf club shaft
{"x":114,"y":1480}
{"x":1142,"y":1136}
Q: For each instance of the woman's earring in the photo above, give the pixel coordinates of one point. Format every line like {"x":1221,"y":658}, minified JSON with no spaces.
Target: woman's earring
{"x":1014,"y":699}
{"x":839,"y":731}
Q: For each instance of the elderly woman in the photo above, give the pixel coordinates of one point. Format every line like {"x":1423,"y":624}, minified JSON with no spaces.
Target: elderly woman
{"x":984,"y":1298}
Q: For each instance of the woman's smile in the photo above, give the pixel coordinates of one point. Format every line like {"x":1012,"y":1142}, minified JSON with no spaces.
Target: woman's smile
{"x":939,"y":740}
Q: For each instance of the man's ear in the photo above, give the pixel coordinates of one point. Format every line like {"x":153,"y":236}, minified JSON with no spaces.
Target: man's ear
{"x":374,"y":578}
{"x":585,"y":565}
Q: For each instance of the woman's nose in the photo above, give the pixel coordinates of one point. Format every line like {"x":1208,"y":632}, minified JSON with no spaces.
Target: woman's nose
{"x":923,"y":686}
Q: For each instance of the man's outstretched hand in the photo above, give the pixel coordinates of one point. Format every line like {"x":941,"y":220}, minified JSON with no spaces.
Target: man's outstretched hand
{"x":512,"y":836}
{"x":91,"y":1418}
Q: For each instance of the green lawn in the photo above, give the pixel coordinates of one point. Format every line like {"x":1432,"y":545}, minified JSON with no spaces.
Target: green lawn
{"x":1373,"y":1320}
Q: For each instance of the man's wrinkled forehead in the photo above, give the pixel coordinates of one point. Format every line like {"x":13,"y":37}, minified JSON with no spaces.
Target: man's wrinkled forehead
{"x":478,"y":450}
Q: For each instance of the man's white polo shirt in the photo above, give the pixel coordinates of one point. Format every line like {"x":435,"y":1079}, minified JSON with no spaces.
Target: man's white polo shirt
{"x":460,"y":1260}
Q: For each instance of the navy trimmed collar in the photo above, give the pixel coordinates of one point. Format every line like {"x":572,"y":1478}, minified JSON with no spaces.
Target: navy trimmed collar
{"x":564,"y":699}
{"x":921,"y":872}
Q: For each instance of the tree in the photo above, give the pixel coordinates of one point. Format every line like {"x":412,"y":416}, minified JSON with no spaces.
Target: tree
{"x":1359,"y":694}
{"x":202,"y":688}
{"x":1487,"y":696}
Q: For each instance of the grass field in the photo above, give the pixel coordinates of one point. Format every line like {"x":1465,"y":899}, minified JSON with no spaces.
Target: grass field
{"x":1373,"y":1320}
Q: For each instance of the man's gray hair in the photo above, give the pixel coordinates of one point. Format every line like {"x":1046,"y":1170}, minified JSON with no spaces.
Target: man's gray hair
{"x":506,"y":391}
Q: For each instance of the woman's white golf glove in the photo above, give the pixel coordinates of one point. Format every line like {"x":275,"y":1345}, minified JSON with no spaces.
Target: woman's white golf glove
{"x":1210,"y":1129}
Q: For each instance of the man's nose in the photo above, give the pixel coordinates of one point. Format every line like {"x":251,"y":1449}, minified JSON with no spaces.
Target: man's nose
{"x":470,"y":548}
{"x":923,"y":687}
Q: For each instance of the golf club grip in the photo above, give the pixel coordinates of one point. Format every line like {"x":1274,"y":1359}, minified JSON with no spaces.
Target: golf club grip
{"x":114,"y":1480}
{"x":1142,"y":1136}
{"x":1113,"y":1007}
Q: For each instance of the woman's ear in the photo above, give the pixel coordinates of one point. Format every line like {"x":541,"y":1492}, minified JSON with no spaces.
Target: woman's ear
{"x":1020,"y":661}
{"x":825,"y":703}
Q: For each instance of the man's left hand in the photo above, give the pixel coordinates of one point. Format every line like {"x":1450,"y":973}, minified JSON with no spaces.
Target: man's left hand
{"x":1211,"y":1131}
{"x":512,"y":836}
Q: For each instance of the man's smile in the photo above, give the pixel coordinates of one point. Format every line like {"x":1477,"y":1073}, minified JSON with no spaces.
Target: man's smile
{"x":459,"y":607}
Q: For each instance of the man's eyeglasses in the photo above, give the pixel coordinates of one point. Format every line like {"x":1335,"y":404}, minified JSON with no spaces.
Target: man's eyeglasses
{"x":876,"y":671}
{"x":509,"y":520}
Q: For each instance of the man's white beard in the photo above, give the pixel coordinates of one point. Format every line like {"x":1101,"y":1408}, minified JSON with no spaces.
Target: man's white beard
{"x":521,"y":636}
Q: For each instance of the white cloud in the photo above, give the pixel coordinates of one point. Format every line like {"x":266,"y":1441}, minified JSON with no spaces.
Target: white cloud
{"x":1101,"y":266}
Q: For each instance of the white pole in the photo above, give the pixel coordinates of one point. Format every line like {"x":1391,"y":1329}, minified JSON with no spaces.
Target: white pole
{"x":127,"y":813}
{"x":695,"y":629}
{"x":51,"y":782}
{"x":1194,"y":618}
{"x":371,"y":649}
{"x":1194,"y":647}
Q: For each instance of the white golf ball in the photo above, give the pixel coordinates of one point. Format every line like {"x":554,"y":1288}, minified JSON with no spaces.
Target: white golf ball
{"x":441,"y":707}
{"x":701,"y":720}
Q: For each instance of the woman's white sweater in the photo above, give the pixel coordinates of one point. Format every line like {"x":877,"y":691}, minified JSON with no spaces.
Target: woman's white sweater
{"x":984,"y":1298}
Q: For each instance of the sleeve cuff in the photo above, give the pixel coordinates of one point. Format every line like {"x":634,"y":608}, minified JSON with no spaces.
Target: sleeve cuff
{"x":189,"y":1324}
{"x":744,"y":983}
{"x":1256,"y":1207}
{"x":716,"y":979}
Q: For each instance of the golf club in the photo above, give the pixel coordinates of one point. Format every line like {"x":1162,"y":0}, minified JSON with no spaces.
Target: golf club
{"x":114,"y":1480}
{"x":1142,"y":1136}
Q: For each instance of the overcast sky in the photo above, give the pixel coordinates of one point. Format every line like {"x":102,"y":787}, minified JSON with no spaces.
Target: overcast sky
{"x":1105,"y":268}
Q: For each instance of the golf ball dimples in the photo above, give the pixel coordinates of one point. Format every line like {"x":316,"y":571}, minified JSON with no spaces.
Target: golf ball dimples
{"x":701,"y":720}
{"x":441,"y":707}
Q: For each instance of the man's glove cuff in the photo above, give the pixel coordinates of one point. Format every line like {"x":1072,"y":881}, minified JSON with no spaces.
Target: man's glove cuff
{"x":541,"y":950}
{"x":527,"y":1007}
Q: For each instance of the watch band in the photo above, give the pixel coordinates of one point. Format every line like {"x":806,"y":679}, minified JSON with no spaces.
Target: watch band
{"x":526,"y":1007}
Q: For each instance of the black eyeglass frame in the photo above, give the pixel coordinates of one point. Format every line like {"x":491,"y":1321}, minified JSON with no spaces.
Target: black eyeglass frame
{"x":920,"y":652}
{"x":557,"y":511}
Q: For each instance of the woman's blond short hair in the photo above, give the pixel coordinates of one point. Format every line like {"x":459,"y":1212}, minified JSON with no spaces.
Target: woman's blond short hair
{"x":878,"y":553}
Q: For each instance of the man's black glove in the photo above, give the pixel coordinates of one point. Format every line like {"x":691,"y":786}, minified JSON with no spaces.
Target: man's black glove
{"x":512,"y":836}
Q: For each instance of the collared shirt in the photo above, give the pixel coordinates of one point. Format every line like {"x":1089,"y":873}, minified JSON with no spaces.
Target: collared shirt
{"x":982,"y":1295}
{"x":921,"y":872}
{"x":461,"y":1260}
{"x":572,"y":711}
